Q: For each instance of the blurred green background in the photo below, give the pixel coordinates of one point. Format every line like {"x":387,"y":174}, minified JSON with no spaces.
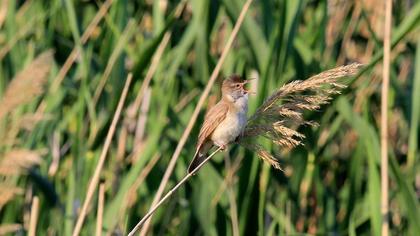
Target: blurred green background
{"x":52,"y":132}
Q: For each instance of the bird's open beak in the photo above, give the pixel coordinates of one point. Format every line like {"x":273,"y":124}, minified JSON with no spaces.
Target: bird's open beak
{"x":244,"y":88}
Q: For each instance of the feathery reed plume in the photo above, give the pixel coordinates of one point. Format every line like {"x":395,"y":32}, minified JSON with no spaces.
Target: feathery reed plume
{"x":7,"y":193}
{"x":29,"y":121}
{"x":279,"y":116}
{"x":27,"y":84}
{"x":3,"y":12}
{"x":15,"y":161}
{"x":7,"y":229}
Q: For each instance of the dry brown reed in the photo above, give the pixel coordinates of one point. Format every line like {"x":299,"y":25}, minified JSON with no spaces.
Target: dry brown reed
{"x":282,"y":113}
{"x":116,"y":53}
{"x":231,"y":173}
{"x":230,"y":181}
{"x":131,"y":197}
{"x":95,"y":178}
{"x":197,"y":109}
{"x":83,"y":40}
{"x":27,"y":84}
{"x":170,"y":192}
{"x":100,"y":212}
{"x":76,"y":51}
{"x":141,"y":103}
{"x":34,"y":216}
{"x":384,"y":118}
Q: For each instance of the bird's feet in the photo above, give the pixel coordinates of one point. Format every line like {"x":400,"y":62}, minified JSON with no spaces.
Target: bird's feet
{"x":221,"y":146}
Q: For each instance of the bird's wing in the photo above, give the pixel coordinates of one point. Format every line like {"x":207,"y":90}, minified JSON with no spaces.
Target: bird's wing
{"x":214,"y":117}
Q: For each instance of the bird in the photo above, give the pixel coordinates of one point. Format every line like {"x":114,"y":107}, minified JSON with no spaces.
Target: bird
{"x":225,"y":121}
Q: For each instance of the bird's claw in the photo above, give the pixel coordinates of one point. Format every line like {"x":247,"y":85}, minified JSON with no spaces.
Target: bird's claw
{"x":221,"y":146}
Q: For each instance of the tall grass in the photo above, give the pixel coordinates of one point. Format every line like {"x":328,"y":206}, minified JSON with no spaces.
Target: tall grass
{"x":59,"y":124}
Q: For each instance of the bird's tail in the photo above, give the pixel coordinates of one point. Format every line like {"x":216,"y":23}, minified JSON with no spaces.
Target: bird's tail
{"x":199,"y":156}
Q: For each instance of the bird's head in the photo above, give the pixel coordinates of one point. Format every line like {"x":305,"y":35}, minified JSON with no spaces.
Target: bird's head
{"x":233,"y":87}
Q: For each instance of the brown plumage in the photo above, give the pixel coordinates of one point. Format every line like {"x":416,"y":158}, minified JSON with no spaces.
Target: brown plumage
{"x":225,"y":121}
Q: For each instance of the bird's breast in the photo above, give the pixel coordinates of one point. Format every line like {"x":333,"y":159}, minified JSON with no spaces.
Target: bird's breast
{"x":232,"y":126}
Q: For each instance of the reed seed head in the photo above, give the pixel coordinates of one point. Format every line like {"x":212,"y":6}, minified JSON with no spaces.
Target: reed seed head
{"x":282,"y":113}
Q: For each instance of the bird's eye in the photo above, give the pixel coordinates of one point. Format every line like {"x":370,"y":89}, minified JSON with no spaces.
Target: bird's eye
{"x":238,"y":85}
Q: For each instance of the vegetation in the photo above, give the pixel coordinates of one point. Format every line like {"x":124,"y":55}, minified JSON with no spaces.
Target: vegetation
{"x":63,"y":69}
